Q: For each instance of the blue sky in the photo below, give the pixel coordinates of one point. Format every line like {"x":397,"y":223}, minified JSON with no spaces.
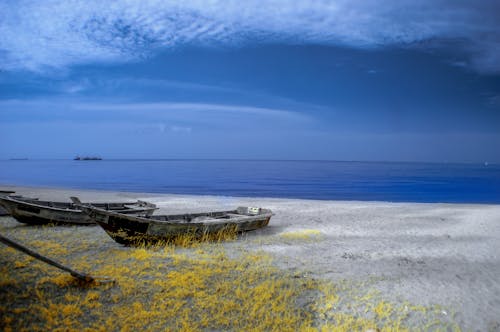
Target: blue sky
{"x":336,"y":80}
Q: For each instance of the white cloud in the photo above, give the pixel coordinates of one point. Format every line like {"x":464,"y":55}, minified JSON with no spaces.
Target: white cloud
{"x":179,"y":116}
{"x":38,"y":34}
{"x":193,"y":108}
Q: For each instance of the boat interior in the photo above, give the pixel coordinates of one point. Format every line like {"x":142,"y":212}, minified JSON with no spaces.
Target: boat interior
{"x":68,"y":205}
{"x":196,"y":216}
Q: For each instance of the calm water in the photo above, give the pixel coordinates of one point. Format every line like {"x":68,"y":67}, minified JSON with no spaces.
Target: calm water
{"x":411,"y":182}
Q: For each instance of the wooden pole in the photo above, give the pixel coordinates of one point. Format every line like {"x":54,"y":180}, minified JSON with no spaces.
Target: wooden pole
{"x":82,"y":276}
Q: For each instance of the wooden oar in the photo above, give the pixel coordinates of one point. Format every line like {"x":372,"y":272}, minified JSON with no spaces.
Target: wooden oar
{"x":81,"y":276}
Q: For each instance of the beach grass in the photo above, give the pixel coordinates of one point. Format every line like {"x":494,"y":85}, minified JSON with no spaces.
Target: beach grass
{"x":183,"y":285}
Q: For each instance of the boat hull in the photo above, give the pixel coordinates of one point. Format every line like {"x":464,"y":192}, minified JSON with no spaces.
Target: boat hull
{"x":133,"y":230}
{"x":4,"y":212}
{"x":34,"y":214}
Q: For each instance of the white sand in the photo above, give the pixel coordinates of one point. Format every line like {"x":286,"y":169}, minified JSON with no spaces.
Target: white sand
{"x":447,"y":254}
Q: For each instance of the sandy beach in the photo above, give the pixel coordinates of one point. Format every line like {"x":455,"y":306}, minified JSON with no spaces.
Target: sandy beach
{"x":412,"y":255}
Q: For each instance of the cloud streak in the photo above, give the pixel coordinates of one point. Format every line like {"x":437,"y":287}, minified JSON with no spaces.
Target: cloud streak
{"x":195,"y":108}
{"x":180,"y":115}
{"x":55,"y":34}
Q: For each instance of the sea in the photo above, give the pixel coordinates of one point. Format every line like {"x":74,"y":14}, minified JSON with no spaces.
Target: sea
{"x":322,"y":180}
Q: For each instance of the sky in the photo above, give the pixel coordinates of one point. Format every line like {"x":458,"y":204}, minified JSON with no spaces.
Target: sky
{"x":391,"y":80}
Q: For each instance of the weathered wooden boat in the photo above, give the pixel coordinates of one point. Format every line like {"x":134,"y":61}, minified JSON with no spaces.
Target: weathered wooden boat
{"x":131,"y":230}
{"x":34,"y":211}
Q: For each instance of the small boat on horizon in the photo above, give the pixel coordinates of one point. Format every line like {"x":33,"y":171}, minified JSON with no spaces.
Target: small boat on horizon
{"x":87,"y":158}
{"x":134,"y":230}
{"x":36,"y":212}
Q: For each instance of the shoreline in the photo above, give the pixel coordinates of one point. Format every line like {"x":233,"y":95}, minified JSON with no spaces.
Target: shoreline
{"x":53,"y":191}
{"x":425,"y":253}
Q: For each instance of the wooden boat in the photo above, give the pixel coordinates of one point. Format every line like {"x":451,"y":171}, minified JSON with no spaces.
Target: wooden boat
{"x":130,"y":230}
{"x":34,"y":211}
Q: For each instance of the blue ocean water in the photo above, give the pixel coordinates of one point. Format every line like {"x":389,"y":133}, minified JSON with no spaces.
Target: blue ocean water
{"x":374,"y":181}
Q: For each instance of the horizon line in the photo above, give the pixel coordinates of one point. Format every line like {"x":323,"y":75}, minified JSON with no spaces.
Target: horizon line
{"x":486,"y":163}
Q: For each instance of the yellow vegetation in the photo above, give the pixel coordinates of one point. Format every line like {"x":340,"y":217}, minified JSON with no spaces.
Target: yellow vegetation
{"x":182,"y":285}
{"x":304,"y":235}
{"x":188,"y":239}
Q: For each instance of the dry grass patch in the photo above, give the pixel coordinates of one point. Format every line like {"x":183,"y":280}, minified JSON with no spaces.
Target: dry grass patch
{"x":185,"y":285}
{"x":302,"y":235}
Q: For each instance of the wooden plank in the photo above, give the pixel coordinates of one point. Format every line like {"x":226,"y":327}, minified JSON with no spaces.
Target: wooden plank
{"x":82,"y":276}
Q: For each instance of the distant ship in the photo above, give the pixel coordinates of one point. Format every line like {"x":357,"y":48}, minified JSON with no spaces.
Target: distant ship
{"x":87,"y":158}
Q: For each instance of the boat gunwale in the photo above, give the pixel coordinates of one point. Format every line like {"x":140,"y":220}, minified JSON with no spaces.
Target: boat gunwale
{"x":143,"y":220}
{"x":77,"y":210}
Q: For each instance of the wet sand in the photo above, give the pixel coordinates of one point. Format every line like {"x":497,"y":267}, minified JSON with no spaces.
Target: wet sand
{"x":426,"y":254}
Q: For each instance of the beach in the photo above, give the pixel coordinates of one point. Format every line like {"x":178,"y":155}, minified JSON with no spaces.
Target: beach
{"x":440,"y":260}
